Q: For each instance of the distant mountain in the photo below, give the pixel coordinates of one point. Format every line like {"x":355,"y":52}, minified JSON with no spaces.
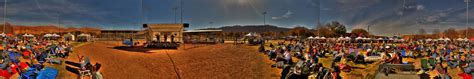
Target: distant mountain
{"x":20,"y":29}
{"x":52,"y":29}
{"x":252,"y":28}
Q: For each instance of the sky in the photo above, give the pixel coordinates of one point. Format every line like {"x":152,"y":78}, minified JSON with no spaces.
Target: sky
{"x":385,"y":17}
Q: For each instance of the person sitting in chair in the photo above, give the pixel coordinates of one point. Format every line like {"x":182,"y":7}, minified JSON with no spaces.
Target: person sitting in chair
{"x":166,"y":37}
{"x":287,"y":56}
{"x":157,"y":37}
{"x":172,"y":38}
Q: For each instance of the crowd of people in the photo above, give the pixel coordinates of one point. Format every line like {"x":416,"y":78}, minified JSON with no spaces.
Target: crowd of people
{"x":30,"y":57}
{"x":433,"y":57}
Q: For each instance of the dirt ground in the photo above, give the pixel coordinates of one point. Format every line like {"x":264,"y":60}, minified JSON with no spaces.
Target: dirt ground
{"x":220,"y":61}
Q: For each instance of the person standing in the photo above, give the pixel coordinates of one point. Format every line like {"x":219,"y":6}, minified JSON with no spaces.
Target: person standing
{"x":166,"y":37}
{"x":157,"y":37}
{"x":172,"y":38}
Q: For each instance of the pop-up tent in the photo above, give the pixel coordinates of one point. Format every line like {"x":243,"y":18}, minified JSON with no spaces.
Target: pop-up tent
{"x":55,"y":35}
{"x":3,"y":35}
{"x":28,"y":35}
{"x":69,"y":37}
{"x":252,"y":35}
{"x":84,"y":37}
{"x":47,"y":35}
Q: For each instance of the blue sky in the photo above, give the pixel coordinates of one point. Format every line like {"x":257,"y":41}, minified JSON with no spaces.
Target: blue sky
{"x":385,"y":17}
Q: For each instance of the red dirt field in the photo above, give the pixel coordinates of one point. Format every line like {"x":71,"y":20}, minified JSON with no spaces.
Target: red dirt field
{"x":220,"y":61}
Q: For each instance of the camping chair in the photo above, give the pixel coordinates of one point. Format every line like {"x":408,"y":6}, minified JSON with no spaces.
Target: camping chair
{"x":51,"y":58}
{"x":323,"y":73}
{"x":404,"y":53}
{"x":83,"y":73}
{"x":47,"y":73}
{"x":86,"y":70}
{"x":29,"y":73}
{"x":432,"y":62}
{"x":424,"y":64}
{"x":14,"y":57}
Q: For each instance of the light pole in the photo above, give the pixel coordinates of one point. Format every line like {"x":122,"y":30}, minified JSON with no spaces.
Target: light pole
{"x":181,"y":8}
{"x":175,"y":13}
{"x":368,"y":30}
{"x":4,"y":16}
{"x":319,"y":18}
{"x":467,"y":16}
{"x":264,"y":19}
{"x":142,"y":12}
{"x":210,"y":23}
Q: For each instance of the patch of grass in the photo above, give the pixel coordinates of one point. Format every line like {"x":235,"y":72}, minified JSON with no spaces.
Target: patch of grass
{"x":77,"y":44}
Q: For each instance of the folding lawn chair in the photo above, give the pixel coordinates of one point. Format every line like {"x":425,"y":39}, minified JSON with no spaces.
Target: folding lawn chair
{"x":432,"y":62}
{"x":424,"y":64}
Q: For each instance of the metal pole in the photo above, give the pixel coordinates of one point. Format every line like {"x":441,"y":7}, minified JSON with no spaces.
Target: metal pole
{"x":368,"y":30}
{"x":467,"y":16}
{"x":210,"y":25}
{"x":181,"y":8}
{"x":264,"y":13}
{"x":175,"y":14}
{"x":4,"y":16}
{"x":319,"y":17}
{"x":59,"y":19}
{"x":142,"y":12}
{"x":264,"y":18}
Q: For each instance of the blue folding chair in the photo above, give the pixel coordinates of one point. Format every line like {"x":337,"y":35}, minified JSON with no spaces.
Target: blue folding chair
{"x":28,"y":74}
{"x":47,"y":73}
{"x":404,"y":53}
{"x":14,"y":57}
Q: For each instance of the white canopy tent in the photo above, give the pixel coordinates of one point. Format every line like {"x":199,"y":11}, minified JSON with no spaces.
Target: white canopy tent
{"x":440,"y":39}
{"x":323,"y":38}
{"x":28,"y":35}
{"x":3,"y":35}
{"x":70,"y":37}
{"x":317,"y":37}
{"x":47,"y":35}
{"x":447,"y":39}
{"x":55,"y":35}
{"x":340,"y":38}
{"x":368,"y":38}
{"x":252,"y":35}
{"x":359,"y":38}
{"x":429,"y":39}
{"x":379,"y":38}
{"x":83,"y":35}
{"x":347,"y":38}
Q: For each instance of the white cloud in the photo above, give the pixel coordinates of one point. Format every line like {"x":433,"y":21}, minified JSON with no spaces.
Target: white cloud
{"x":420,"y":7}
{"x":286,"y":15}
{"x":28,"y":12}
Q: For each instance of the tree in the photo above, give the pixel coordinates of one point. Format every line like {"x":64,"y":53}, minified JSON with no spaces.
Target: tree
{"x":268,"y":33}
{"x":436,"y":33}
{"x":450,"y":33}
{"x":360,"y":31}
{"x":281,"y":34}
{"x":470,"y":32}
{"x":337,"y":28}
{"x":324,"y":31}
{"x":298,"y":31}
{"x":271,"y":33}
{"x":421,"y":31}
